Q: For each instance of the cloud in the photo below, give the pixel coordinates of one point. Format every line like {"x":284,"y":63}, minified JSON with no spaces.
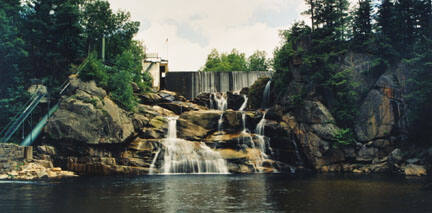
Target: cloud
{"x":194,"y":27}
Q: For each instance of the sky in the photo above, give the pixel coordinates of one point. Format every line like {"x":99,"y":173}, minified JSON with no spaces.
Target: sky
{"x":194,"y":27}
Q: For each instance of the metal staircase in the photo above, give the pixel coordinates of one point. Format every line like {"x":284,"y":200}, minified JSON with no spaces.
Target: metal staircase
{"x":11,"y":128}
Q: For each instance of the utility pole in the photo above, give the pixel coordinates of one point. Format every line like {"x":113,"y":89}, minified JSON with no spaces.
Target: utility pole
{"x":103,"y":49}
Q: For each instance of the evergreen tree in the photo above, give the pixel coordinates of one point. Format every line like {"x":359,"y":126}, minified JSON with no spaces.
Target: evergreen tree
{"x":54,"y":38}
{"x":386,"y":33}
{"x":12,"y":56}
{"x":405,"y":27}
{"x":362,"y":26}
{"x":12,"y":51}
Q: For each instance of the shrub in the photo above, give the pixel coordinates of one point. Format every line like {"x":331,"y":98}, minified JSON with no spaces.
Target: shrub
{"x":121,"y":90}
{"x":95,"y":70}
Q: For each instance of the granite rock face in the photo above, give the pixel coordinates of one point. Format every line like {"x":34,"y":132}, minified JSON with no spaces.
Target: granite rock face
{"x":90,"y":117}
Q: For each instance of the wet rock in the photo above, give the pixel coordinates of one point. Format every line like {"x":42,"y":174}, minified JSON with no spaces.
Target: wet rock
{"x":314,"y":112}
{"x":45,"y":149}
{"x":34,"y":170}
{"x":376,"y":117}
{"x":207,"y":119}
{"x":414,"y":170}
{"x":275,"y":113}
{"x":234,"y":101}
{"x":202,"y":99}
{"x":153,"y":111}
{"x":150,"y":98}
{"x":232,"y":121}
{"x":366,"y":154}
{"x":191,"y":131}
{"x":395,"y":157}
{"x":179,"y":107}
{"x":169,"y":96}
{"x":235,"y":141}
{"x":413,"y":160}
{"x":255,"y":93}
{"x":139,"y":121}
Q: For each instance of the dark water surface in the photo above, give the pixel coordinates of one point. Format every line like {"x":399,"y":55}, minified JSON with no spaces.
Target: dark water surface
{"x":218,"y":193}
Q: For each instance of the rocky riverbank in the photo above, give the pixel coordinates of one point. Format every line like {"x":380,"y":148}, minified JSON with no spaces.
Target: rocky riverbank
{"x":17,"y":163}
{"x":92,"y":135}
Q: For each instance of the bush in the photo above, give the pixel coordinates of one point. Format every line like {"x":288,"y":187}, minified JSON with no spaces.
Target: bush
{"x":121,"y":90}
{"x":344,"y":137}
{"x":95,"y":70}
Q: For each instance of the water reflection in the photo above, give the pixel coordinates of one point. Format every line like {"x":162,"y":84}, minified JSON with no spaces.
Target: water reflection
{"x":218,"y":193}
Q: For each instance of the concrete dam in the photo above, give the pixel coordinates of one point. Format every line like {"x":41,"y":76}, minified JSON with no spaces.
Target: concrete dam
{"x":191,"y":84}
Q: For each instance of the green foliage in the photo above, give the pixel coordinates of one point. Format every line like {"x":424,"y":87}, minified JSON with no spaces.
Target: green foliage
{"x":99,"y":21}
{"x":419,"y":97}
{"x":95,"y":70}
{"x":121,"y":90}
{"x":12,"y":51}
{"x":258,"y":61}
{"x":362,"y":24}
{"x":235,"y":61}
{"x":54,"y":40}
{"x":343,"y":137}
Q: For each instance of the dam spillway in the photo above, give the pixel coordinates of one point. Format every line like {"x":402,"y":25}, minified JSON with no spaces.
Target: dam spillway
{"x":191,"y":84}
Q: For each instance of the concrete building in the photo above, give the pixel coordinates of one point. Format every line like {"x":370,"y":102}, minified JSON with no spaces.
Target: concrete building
{"x":157,"y":67}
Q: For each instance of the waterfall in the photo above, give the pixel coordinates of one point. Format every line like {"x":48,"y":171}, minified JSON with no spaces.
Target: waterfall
{"x":243,"y":106}
{"x":181,"y":156}
{"x":191,"y":84}
{"x":266,"y":96}
{"x":221,"y":104}
{"x":299,"y":160}
{"x":261,"y":141}
{"x":152,"y":166}
{"x":220,"y":122}
{"x":221,"y":101}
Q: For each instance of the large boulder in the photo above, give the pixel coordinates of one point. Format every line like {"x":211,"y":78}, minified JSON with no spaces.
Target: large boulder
{"x":191,"y":131}
{"x":319,"y":118}
{"x":414,"y":170}
{"x":235,"y":101}
{"x":89,"y":117}
{"x":207,"y":119}
{"x":376,"y":117}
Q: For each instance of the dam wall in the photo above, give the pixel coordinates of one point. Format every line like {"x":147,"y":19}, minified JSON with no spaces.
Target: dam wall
{"x":191,"y":84}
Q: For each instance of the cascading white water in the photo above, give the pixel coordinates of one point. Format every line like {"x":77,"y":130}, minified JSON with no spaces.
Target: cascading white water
{"x":299,"y":160}
{"x":221,"y":104}
{"x":266,"y":96}
{"x":220,"y":122}
{"x":242,"y":107}
{"x":261,"y":141}
{"x":221,"y":101}
{"x":181,"y":156}
{"x":152,"y":166}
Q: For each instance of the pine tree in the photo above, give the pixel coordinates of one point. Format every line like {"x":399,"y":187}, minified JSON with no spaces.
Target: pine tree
{"x":362,"y":27}
{"x":386,"y":16}
{"x":405,"y":27}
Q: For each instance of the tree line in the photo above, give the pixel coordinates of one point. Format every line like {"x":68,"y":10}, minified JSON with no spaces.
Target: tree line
{"x":236,"y":61}
{"x":45,"y":41}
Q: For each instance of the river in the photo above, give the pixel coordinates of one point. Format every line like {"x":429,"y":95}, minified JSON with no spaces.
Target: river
{"x":219,"y":193}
